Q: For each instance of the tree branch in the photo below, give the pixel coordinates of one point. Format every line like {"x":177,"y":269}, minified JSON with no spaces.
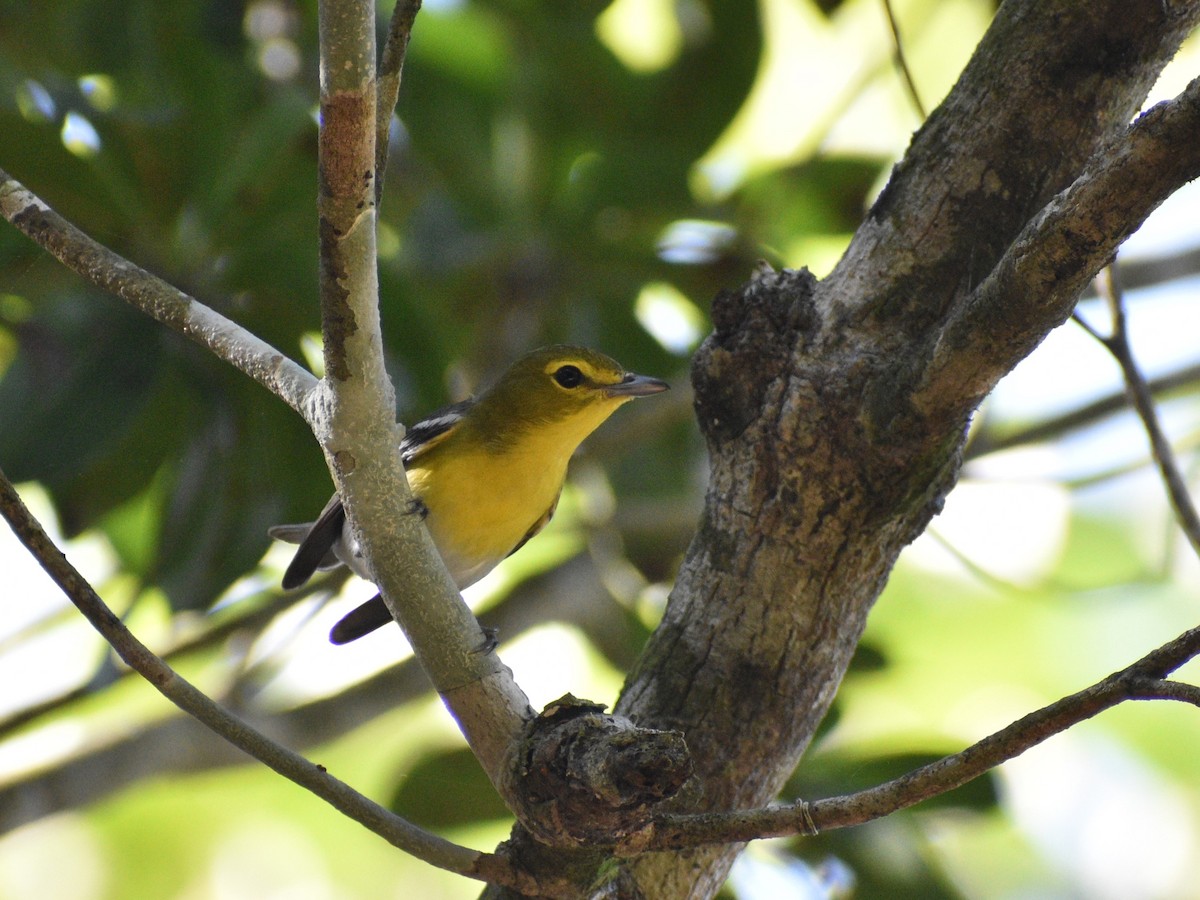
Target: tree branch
{"x":1144,"y":680}
{"x":105,"y":675}
{"x":829,"y":451}
{"x":395,"y":830}
{"x":187,"y":697}
{"x":1038,"y":280}
{"x":391,"y":69}
{"x":1163,"y":689}
{"x":1086,"y":415}
{"x":355,"y":403}
{"x":570,"y":593}
{"x":352,"y":411}
{"x":111,"y":272}
{"x":1117,"y":343}
{"x":354,"y":418}
{"x":902,"y":64}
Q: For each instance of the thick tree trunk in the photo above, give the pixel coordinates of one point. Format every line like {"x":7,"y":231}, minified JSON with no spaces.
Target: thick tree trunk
{"x":832,"y":412}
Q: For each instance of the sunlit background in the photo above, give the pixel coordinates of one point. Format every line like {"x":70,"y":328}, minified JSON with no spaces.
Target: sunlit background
{"x":520,"y":209}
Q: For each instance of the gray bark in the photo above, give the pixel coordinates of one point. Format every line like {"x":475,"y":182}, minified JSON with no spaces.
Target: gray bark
{"x":835,"y":412}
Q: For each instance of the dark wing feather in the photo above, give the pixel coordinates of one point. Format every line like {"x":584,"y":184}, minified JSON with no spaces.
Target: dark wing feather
{"x":317,"y":544}
{"x":361,"y":620}
{"x":432,"y":430}
{"x":316,"y":548}
{"x":536,"y":526}
{"x":421,"y":437}
{"x":366,"y":617}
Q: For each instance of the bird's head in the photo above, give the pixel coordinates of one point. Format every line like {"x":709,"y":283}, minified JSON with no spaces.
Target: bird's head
{"x":561,"y":390}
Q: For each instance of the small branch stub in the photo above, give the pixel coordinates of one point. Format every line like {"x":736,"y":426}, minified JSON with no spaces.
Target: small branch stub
{"x":591,"y":779}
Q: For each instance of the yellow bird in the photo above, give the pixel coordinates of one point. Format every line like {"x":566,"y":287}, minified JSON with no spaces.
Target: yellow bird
{"x":485,"y":473}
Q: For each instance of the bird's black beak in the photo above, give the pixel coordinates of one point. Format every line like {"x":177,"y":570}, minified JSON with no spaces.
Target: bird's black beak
{"x":636,"y":386}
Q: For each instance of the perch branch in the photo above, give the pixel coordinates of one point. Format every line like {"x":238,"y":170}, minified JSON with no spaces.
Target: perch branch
{"x":354,"y":417}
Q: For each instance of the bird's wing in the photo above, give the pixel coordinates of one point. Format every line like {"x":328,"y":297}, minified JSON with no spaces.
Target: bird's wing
{"x":372,"y":614}
{"x":538,"y":525}
{"x":432,"y":430}
{"x":316,"y":549}
{"x":317,"y":540}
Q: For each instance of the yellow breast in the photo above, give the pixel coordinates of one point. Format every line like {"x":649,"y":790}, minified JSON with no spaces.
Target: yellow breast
{"x":481,"y":505}
{"x":484,"y":498}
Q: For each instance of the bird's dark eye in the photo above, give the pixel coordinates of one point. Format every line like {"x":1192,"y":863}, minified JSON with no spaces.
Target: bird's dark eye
{"x":568,"y":376}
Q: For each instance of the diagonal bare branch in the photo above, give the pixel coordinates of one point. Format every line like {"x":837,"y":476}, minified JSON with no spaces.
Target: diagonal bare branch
{"x":1144,"y":680}
{"x":113,"y":273}
{"x":1117,"y":343}
{"x":391,"y":69}
{"x":395,"y":830}
{"x":192,"y":701}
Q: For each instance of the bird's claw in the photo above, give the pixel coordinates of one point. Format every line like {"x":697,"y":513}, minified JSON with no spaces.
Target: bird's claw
{"x":491,"y":640}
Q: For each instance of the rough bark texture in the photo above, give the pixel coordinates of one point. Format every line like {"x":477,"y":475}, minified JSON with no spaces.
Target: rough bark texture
{"x":823,"y":468}
{"x":588,"y":779}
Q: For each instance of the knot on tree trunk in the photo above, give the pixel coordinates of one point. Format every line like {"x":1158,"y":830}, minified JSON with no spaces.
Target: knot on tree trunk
{"x":586,"y":778}
{"x":756,"y":331}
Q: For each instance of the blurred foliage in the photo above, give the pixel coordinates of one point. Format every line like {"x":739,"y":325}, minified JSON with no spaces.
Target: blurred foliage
{"x":551,"y":178}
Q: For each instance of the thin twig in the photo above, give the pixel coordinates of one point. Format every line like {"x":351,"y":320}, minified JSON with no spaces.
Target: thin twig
{"x":1145,"y":679}
{"x":1079,"y":418}
{"x":172,"y":307}
{"x":1120,"y":470}
{"x":982,"y":574}
{"x":1117,"y":343}
{"x":397,"y":831}
{"x":1089,"y":328}
{"x":391,"y":69}
{"x":902,"y":63}
{"x":253,"y":621}
{"x":1164,"y":689}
